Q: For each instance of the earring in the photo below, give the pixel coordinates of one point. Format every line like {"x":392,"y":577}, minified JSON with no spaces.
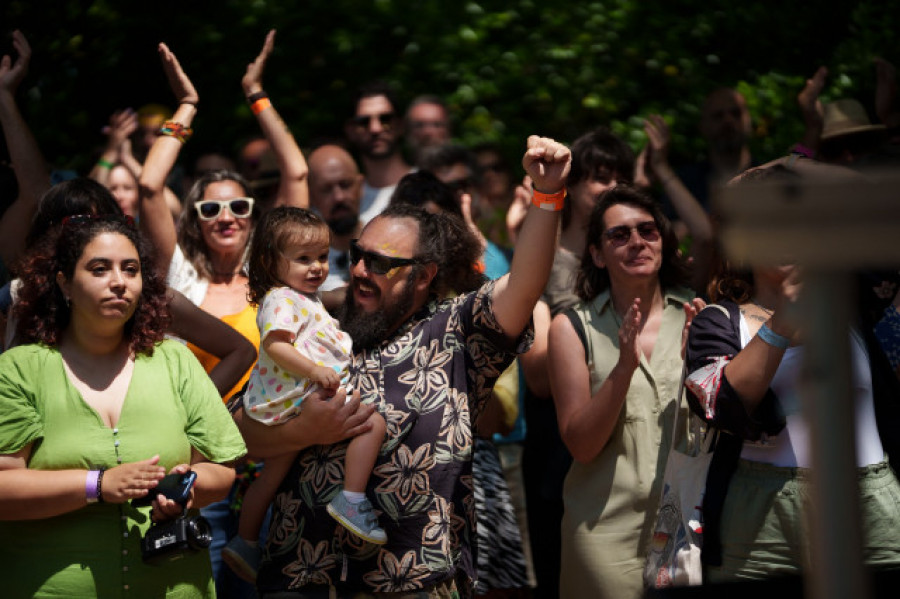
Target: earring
{"x":68,"y":301}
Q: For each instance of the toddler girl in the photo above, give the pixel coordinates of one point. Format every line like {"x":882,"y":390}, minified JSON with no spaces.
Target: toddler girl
{"x":301,"y":350}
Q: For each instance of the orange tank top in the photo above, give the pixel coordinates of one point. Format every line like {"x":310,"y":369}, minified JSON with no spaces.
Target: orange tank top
{"x":244,"y":322}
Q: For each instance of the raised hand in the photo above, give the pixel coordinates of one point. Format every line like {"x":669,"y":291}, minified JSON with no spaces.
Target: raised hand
{"x":178,"y":81}
{"x":810,"y":104}
{"x":12,"y":73}
{"x":465,"y":204}
{"x":658,"y":141}
{"x":547,"y":162}
{"x":518,"y":208}
{"x":128,"y":481}
{"x":122,"y":124}
{"x":252,"y":80}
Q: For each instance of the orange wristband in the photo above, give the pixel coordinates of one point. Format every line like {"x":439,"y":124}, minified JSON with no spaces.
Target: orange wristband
{"x":260,"y":105}
{"x":552,"y":202}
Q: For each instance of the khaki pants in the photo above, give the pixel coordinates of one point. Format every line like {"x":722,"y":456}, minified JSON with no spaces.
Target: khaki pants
{"x":765,"y":521}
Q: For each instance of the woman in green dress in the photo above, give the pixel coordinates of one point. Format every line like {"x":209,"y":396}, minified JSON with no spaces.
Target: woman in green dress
{"x":95,"y":409}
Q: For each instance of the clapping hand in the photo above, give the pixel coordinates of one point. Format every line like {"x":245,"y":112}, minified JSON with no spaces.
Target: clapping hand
{"x":178,"y":81}
{"x":252,"y":80}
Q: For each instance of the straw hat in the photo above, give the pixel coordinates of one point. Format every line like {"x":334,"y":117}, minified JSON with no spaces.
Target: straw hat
{"x":844,"y":117}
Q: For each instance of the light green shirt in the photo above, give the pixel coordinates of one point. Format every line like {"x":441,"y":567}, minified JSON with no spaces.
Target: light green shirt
{"x":170,"y":407}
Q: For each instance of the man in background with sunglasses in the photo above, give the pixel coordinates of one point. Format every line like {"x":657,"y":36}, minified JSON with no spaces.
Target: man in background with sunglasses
{"x":427,"y":124}
{"x":375,"y":131}
{"x":429,"y":365}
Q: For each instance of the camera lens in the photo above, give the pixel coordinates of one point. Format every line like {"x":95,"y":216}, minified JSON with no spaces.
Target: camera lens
{"x":199,"y":533}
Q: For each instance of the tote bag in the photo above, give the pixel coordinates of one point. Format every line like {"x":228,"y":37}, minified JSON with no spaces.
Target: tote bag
{"x":673,"y":558}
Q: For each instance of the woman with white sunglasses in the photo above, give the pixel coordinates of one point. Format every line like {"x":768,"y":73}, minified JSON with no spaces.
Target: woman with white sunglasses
{"x":205,"y":257}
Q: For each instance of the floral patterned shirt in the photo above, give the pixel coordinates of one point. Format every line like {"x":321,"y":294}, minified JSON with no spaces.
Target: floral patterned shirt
{"x":429,"y":380}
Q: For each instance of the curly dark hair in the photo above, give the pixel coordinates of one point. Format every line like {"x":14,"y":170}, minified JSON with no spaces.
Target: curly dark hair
{"x":277,"y":229}
{"x":41,"y":310}
{"x":592,"y":280}
{"x":75,"y":196}
{"x":190,"y":238}
{"x":445,"y":240}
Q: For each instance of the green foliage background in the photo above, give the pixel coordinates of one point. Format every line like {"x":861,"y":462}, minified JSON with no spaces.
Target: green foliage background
{"x":507,"y":69}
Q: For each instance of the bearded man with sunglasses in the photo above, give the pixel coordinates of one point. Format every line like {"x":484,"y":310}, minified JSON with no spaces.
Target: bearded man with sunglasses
{"x":375,"y":131}
{"x":428,"y":365}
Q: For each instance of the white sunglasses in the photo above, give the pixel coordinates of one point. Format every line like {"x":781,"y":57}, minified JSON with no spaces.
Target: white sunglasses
{"x":211,"y":209}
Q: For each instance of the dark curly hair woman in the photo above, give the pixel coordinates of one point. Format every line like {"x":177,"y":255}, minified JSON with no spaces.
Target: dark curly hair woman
{"x":95,"y":409}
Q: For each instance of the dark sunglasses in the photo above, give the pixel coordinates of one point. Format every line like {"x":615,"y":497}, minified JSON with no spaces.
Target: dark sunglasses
{"x":363,"y":120}
{"x":377,"y":263}
{"x":620,"y":235}
{"x":211,"y":209}
{"x":75,"y":220}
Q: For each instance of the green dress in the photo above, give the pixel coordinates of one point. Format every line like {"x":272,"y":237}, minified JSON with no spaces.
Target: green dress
{"x":170,"y":407}
{"x":611,"y":501}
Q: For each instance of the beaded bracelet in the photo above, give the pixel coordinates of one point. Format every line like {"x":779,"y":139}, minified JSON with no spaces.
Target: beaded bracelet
{"x":552,"y":202}
{"x":260,"y":105}
{"x":772,"y":338}
{"x":100,"y":485}
{"x":176,"y":130}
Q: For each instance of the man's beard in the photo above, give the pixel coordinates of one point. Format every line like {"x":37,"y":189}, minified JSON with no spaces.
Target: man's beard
{"x":343,"y":225}
{"x":369,"y":329}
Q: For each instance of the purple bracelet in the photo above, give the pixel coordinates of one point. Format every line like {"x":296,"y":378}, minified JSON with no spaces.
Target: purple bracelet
{"x":92,"y":486}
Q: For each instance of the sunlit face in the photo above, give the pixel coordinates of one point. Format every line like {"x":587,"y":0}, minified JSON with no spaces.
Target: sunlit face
{"x":585,"y":193}
{"x":427,"y":125}
{"x":375,"y":128}
{"x":304,"y":264}
{"x":106,"y":283}
{"x":226,"y":233}
{"x":123,"y":186}
{"x":637,"y":258}
{"x":396,"y":237}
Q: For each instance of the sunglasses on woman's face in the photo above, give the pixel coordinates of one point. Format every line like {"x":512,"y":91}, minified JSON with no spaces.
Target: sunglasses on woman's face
{"x":619,"y":236}
{"x":377,"y":263}
{"x":211,"y":209}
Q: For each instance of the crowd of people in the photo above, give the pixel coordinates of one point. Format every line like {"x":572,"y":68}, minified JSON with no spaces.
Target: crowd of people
{"x":384,"y":366}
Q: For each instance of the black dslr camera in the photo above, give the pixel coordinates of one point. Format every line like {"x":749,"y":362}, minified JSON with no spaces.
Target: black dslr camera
{"x":182,"y":534}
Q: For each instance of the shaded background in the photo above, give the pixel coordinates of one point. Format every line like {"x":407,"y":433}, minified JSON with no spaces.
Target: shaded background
{"x":507,"y":68}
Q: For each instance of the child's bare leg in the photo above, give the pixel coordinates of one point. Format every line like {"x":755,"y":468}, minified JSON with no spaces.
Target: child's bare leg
{"x":260,"y":494}
{"x":361,"y":455}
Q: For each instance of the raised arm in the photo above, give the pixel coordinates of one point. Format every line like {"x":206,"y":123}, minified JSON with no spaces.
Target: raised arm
{"x":156,"y":219}
{"x":547,"y":162}
{"x":292,"y":190}
{"x":31,"y":171}
{"x":689,"y":210}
